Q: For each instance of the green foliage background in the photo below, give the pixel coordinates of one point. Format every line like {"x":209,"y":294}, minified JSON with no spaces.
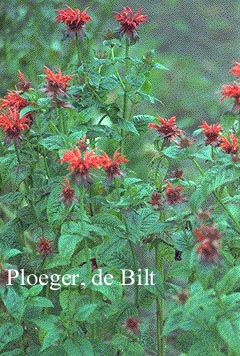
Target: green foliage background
{"x":197,"y":40}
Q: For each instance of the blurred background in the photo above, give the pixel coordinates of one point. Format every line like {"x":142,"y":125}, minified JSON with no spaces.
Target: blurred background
{"x":197,"y":40}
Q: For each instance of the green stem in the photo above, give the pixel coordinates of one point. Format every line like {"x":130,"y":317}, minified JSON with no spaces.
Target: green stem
{"x":125,"y":97}
{"x":159,"y":263}
{"x":78,"y":50}
{"x":116,"y":71}
{"x":135,"y":266}
{"x":17,"y":154}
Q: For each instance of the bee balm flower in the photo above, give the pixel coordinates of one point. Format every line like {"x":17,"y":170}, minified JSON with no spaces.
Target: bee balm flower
{"x":74,"y":19}
{"x":129,"y":22}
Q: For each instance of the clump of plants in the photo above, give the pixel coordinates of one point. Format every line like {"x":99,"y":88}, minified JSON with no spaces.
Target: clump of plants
{"x":72,"y":204}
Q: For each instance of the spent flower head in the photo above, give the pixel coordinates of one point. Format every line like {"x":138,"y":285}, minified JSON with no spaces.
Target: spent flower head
{"x":67,"y":195}
{"x":209,"y":238}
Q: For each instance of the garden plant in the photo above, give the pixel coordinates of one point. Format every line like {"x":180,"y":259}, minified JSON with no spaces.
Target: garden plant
{"x":77,"y":215}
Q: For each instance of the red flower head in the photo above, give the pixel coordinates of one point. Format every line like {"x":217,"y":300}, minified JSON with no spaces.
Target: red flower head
{"x":131,"y":324}
{"x":13,"y":125}
{"x":112,"y":165}
{"x":67,"y":195}
{"x":56,"y":83}
{"x":129,"y":22}
{"x":209,"y":237}
{"x":230,"y":147}
{"x":235,"y":70}
{"x":23,"y":84}
{"x":168,"y":128}
{"x":80,"y":164}
{"x":155,"y":199}
{"x":44,"y":246}
{"x":212,"y":133}
{"x":14,"y":101}
{"x":173,"y":195}
{"x":74,"y":19}
{"x":232,"y":91}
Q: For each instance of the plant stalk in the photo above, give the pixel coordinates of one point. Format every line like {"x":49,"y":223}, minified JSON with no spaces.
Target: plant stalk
{"x":159,"y":263}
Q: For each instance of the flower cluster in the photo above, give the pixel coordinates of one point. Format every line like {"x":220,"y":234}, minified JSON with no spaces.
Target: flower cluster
{"x":12,"y":123}
{"x":56,"y":86}
{"x":74,"y":19}
{"x":233,"y":91}
{"x":172,"y":196}
{"x":81,"y":162}
{"x":213,"y":138}
{"x":167,"y":129}
{"x":129,"y":22}
{"x":209,"y":238}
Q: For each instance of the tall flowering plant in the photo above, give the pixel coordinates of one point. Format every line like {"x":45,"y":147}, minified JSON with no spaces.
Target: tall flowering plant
{"x":76,"y":212}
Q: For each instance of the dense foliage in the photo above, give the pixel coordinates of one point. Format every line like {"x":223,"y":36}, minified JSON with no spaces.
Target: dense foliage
{"x":75,"y":202}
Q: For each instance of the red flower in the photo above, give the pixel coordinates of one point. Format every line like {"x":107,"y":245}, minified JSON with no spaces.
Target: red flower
{"x":209,"y":237}
{"x":230,"y":148}
{"x":232,"y":91}
{"x":74,"y":19}
{"x":132,"y":324}
{"x":173,"y":195}
{"x":212,"y":133}
{"x":44,"y":246}
{"x":23,"y":84}
{"x":56,"y":83}
{"x":80,"y":164}
{"x":130,"y":21}
{"x":155,"y":199}
{"x":235,"y":70}
{"x":226,"y":146}
{"x":14,"y":101}
{"x":112,"y":165}
{"x":168,"y":128}
{"x":13,"y":125}
{"x":67,"y":195}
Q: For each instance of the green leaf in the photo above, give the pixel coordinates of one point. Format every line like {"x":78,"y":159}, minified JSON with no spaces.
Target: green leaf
{"x":67,"y":244}
{"x":85,"y":312}
{"x":140,"y":120}
{"x":113,"y":292}
{"x":41,"y":302}
{"x":121,"y":259}
{"x":35,"y":290}
{"x":9,"y":332}
{"x":55,"y":208}
{"x":160,"y":66}
{"x":229,"y":281}
{"x":28,"y":109}
{"x":71,"y":348}
{"x":11,"y":253}
{"x":229,"y":332}
{"x":12,"y":198}
{"x":127,"y":126}
{"x":52,"y":143}
{"x":19,"y":173}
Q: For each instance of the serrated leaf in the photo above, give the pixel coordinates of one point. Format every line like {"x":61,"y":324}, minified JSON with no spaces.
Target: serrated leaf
{"x":113,"y":292}
{"x":52,"y":143}
{"x":121,"y":259}
{"x":229,"y":281}
{"x":41,"y":302}
{"x":55,"y":208}
{"x":9,"y":332}
{"x":140,"y":120}
{"x":67,"y":244}
{"x":127,"y":126}
{"x":12,"y":198}
{"x":85,"y":312}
